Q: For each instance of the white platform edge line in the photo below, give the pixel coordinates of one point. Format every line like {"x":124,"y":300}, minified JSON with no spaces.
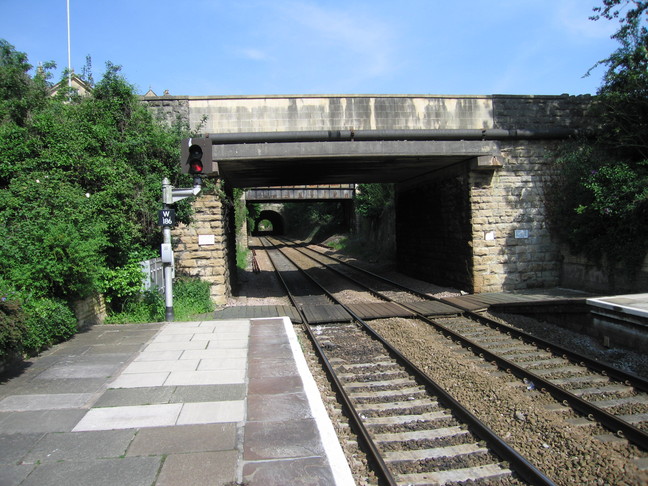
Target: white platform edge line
{"x":337,"y":460}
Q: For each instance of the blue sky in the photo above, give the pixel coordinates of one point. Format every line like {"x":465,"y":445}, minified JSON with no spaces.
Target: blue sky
{"x":242,"y":47}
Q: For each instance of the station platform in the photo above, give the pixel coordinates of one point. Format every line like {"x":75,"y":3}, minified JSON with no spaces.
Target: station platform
{"x":215,"y":402}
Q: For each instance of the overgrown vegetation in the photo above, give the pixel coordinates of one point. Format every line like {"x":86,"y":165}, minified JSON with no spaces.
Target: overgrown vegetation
{"x":372,"y":199}
{"x":318,"y":220}
{"x":244,"y":216}
{"x":374,"y":205}
{"x":597,"y":199}
{"x":28,"y":324}
{"x":80,"y":183}
{"x":191,"y":297}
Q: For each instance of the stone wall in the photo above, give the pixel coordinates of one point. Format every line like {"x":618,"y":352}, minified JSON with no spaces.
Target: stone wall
{"x":167,"y":108}
{"x":512,"y":248}
{"x":90,"y":311}
{"x":481,"y":231}
{"x":578,"y":272}
{"x":202,"y":248}
{"x":540,"y":112}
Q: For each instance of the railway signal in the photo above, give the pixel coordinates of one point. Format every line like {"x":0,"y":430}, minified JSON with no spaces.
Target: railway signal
{"x":196,"y":157}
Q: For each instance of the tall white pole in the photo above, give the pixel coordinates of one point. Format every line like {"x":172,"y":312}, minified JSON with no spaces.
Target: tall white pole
{"x":68,"y":42}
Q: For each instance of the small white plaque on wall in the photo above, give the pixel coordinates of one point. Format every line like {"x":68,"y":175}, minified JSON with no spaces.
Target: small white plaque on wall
{"x":206,"y":240}
{"x":490,"y":236}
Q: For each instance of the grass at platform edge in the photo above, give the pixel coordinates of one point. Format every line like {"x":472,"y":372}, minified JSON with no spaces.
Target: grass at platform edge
{"x":191,"y":297}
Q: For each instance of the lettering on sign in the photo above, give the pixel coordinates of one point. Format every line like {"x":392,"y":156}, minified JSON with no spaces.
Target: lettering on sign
{"x":166,"y":217}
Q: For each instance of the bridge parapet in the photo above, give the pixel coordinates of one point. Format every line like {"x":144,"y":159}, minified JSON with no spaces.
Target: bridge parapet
{"x":284,"y":113}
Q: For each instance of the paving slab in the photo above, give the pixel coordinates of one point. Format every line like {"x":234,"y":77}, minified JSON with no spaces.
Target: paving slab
{"x":139,"y":380}
{"x":39,"y":421}
{"x":119,"y":397}
{"x":221,"y":363}
{"x":222,"y":353}
{"x":13,"y":474}
{"x":184,"y":439}
{"x":157,"y":366}
{"x":278,"y":407}
{"x":280,"y":440}
{"x":212,"y":412}
{"x":275,"y":385}
{"x":271,"y":368}
{"x":13,"y":447}
{"x":127,"y":471}
{"x":295,"y":472}
{"x":45,"y":401}
{"x":200,"y":469}
{"x":69,"y":385}
{"x":208,"y":393}
{"x":159,"y":356}
{"x":130,"y":417}
{"x":80,"y":446}
{"x":223,"y":377}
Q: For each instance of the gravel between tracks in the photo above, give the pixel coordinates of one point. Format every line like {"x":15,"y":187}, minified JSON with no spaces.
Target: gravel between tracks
{"x":565,"y":453}
{"x":568,"y":454}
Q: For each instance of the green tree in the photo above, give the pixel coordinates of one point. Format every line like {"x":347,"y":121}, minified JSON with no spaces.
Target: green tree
{"x":597,"y":197}
{"x":80,"y":180}
{"x":622,"y":102}
{"x":372,"y":199}
{"x":19,"y":93}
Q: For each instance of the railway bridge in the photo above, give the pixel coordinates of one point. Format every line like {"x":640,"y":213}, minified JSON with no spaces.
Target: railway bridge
{"x":468,"y":172}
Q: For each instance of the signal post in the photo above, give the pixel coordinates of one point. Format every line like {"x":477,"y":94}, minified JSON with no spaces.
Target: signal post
{"x":196,"y":159}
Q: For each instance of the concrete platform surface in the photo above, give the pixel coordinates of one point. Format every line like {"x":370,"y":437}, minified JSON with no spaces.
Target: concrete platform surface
{"x":191,"y":403}
{"x":632,"y":304}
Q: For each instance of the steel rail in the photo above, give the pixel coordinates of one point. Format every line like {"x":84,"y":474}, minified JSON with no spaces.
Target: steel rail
{"x":521,"y":465}
{"x":626,"y":377}
{"x":611,"y":422}
{"x":357,"y":424}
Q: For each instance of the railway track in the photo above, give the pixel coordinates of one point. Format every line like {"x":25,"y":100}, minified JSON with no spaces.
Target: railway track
{"x":414,"y":431}
{"x":599,"y":393}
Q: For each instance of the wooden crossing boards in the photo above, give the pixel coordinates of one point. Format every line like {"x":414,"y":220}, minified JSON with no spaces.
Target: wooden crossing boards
{"x":258,"y":311}
{"x":481,"y":302}
{"x":379,"y":310}
{"x":319,"y":314}
{"x":330,"y":313}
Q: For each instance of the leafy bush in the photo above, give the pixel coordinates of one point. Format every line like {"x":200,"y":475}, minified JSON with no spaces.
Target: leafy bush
{"x":80,"y":181}
{"x":317,"y":220}
{"x":48,"y":322}
{"x":147,"y":306}
{"x":12,"y":322}
{"x":191,"y":296}
{"x":372,"y":199}
{"x":599,"y":206}
{"x":122,"y":283}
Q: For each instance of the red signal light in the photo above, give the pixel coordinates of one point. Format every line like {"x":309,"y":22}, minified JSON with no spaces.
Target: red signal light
{"x":195,"y":159}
